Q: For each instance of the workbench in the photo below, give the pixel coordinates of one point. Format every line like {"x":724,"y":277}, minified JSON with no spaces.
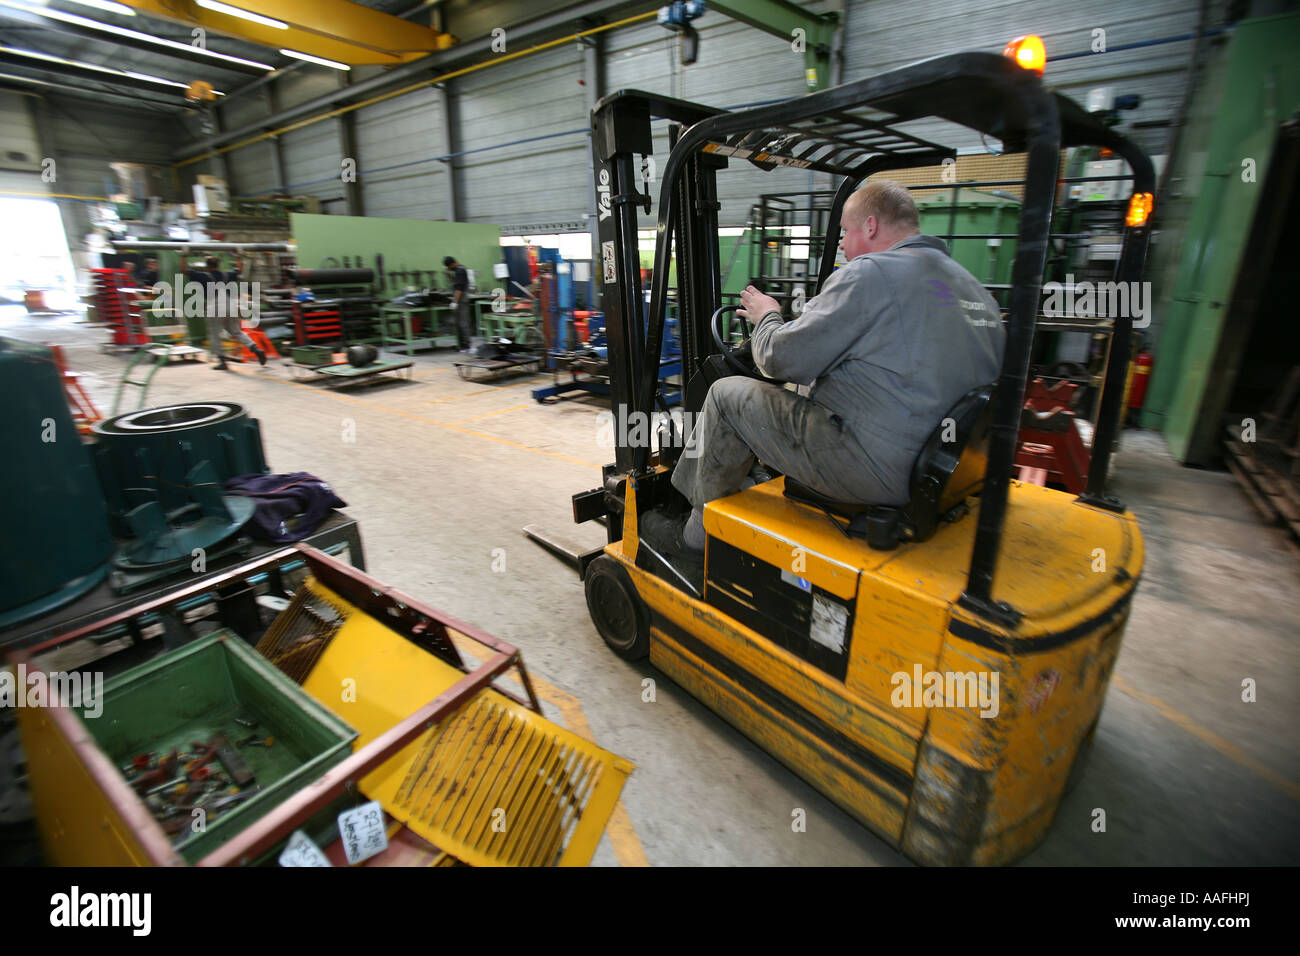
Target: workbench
{"x":400,"y":314}
{"x":496,"y":325}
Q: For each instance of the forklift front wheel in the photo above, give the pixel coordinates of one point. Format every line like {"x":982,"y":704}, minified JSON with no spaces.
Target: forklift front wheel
{"x":616,"y":609}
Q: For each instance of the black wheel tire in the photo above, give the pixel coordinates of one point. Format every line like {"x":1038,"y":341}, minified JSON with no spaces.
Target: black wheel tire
{"x":616,"y":609}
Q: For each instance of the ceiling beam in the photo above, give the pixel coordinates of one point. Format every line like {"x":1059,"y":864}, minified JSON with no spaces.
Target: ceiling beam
{"x":72,"y":70}
{"x":12,"y":80}
{"x":333,"y":29}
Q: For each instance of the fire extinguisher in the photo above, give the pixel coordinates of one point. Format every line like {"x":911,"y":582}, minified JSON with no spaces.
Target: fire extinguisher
{"x":1141,"y":373}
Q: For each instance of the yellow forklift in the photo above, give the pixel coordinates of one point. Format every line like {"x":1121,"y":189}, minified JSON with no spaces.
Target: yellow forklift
{"x":937,"y":669}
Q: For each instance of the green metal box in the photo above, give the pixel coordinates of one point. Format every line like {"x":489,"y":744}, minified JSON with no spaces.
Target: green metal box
{"x":312,"y":355}
{"x":197,"y":691}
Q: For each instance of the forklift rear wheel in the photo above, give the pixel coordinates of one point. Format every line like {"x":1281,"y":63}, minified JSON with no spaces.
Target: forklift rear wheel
{"x":616,"y":609}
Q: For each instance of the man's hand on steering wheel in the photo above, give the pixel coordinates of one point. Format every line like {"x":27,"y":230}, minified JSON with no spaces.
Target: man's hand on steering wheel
{"x":754,"y":304}
{"x":740,"y":357}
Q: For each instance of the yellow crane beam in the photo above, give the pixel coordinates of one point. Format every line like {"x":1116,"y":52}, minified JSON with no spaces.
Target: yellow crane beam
{"x":331,"y":29}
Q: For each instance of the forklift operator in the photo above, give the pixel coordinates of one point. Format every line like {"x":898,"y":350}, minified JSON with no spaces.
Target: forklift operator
{"x":892,"y":341}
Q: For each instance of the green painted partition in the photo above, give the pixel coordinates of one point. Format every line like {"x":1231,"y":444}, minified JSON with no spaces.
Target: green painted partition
{"x":406,"y":244}
{"x":1202,"y":233}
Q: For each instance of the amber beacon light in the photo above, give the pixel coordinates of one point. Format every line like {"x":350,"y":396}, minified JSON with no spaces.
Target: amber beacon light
{"x":1028,"y":51}
{"x":1139,"y":209}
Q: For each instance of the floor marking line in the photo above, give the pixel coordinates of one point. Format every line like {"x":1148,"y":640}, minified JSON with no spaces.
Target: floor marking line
{"x":1225,"y":747}
{"x":488,"y":391}
{"x":499,"y":411}
{"x":430,"y":421}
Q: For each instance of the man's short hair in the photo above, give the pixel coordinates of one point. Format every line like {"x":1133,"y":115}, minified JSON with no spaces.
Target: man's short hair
{"x":449,"y":261}
{"x":212,"y":262}
{"x":888,"y":201}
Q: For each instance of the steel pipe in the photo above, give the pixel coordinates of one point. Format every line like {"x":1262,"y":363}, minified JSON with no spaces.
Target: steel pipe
{"x":146,"y":244}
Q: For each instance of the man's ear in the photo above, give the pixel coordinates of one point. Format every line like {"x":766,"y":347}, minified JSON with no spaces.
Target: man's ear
{"x":870,"y":227}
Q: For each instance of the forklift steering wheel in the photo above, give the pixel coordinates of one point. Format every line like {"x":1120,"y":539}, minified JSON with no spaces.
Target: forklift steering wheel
{"x":738,"y":357}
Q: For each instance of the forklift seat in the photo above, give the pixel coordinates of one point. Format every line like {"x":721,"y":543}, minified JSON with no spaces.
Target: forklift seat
{"x":949,"y":468}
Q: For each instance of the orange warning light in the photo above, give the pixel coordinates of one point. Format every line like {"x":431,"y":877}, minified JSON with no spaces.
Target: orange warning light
{"x":1028,"y":51}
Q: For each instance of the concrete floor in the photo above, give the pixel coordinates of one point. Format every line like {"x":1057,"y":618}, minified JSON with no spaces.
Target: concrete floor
{"x":443,"y":472}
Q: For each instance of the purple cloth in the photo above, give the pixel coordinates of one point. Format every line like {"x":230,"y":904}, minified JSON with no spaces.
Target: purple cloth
{"x":279,"y":498}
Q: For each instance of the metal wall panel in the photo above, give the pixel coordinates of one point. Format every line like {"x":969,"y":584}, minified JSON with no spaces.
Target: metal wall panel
{"x":546,"y":179}
{"x":252,"y":170}
{"x":312,"y":161}
{"x":397,"y":140}
{"x":299,"y":86}
{"x":738,"y":66}
{"x":539,"y":96}
{"x":882,"y":34}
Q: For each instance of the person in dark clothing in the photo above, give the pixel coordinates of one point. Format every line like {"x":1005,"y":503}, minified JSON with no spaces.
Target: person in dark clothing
{"x":460,"y":299}
{"x":220,"y":305}
{"x":146,"y":273}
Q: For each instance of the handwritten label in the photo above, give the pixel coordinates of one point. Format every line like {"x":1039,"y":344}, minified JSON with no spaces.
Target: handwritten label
{"x":362,"y":831}
{"x":300,"y":851}
{"x":608,"y":261}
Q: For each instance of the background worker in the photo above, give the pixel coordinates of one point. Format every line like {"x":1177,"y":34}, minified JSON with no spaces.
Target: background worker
{"x":146,"y":273}
{"x":460,"y":299}
{"x":222,"y":309}
{"x":893,"y":339}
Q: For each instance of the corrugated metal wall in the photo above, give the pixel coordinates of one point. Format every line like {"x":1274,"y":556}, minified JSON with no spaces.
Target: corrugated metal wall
{"x":395,"y":141}
{"x":85,"y":136}
{"x":543,"y":180}
{"x":251,"y":170}
{"x":548,"y":179}
{"x":737,"y":66}
{"x":882,"y":34}
{"x":20,"y":159}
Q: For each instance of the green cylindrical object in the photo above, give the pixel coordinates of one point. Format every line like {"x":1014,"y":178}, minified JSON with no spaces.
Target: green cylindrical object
{"x":147,"y":454}
{"x":54,"y":538}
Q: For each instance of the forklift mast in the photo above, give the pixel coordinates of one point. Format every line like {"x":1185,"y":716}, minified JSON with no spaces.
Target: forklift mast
{"x":620,"y":132}
{"x":850,"y":131}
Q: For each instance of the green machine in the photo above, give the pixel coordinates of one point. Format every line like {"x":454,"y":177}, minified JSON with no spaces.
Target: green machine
{"x":1224,"y":219}
{"x":50,"y":487}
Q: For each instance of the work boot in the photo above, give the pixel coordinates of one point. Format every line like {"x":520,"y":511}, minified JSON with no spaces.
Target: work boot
{"x":261,"y":356}
{"x":221,"y":366}
{"x":693,"y":535}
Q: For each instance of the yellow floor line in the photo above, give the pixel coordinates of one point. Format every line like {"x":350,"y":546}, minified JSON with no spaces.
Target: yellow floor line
{"x":429,"y":421}
{"x":623,"y":839}
{"x":1225,"y":747}
{"x":488,"y":391}
{"x":499,"y":411}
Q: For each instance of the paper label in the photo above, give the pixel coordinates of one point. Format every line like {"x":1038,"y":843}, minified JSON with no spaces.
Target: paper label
{"x":300,"y":851}
{"x":607,"y":258}
{"x":829,"y":622}
{"x":362,"y":831}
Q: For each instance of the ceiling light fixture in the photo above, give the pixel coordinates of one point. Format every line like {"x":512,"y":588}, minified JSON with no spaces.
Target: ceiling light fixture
{"x":217,"y":7}
{"x":316,"y":59}
{"x":108,"y":6}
